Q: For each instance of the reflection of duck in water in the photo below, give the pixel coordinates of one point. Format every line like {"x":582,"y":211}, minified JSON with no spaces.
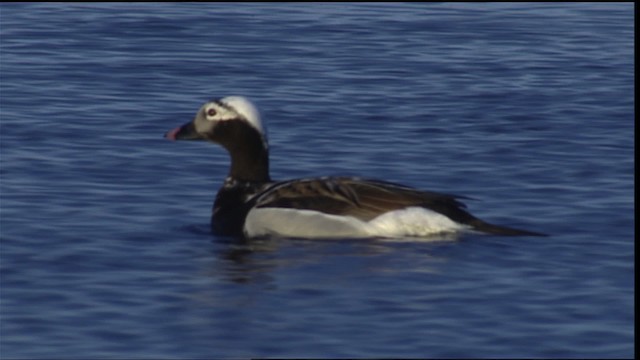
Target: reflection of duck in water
{"x":251,"y":205}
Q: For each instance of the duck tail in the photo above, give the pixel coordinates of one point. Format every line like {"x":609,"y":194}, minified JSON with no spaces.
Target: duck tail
{"x":485,"y":227}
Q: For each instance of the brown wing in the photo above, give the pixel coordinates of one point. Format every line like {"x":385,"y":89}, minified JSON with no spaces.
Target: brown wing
{"x":367,"y":199}
{"x":361,"y":198}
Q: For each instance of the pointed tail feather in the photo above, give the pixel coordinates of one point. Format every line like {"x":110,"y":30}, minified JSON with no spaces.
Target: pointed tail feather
{"x":485,"y":227}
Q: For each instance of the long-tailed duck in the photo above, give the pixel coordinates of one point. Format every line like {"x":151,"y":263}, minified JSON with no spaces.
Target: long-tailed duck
{"x":250,"y":204}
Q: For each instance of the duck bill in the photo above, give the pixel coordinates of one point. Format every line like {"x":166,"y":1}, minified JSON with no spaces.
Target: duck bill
{"x":184,"y":132}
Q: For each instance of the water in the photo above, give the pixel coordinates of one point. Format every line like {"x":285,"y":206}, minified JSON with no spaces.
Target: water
{"x":105,"y":243}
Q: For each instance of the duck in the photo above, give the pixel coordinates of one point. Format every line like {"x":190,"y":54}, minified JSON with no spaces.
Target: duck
{"x":252,"y":205}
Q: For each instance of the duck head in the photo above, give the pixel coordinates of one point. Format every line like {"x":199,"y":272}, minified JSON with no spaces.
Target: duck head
{"x":234,"y":123}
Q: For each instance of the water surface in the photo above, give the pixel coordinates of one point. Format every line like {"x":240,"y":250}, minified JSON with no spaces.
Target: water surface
{"x":105,"y":243}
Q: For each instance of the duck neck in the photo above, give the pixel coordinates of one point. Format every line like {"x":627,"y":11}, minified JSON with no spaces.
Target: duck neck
{"x":248,"y":149}
{"x":250,"y":164}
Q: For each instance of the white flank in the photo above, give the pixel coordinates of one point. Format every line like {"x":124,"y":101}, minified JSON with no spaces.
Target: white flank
{"x":302,"y":224}
{"x":413,"y":221}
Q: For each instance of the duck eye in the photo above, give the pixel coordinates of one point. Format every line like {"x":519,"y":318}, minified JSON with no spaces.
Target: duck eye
{"x":211,"y":112}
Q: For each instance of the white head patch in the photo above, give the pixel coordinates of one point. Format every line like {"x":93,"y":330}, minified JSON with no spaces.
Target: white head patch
{"x":230,"y":108}
{"x":233,"y":107}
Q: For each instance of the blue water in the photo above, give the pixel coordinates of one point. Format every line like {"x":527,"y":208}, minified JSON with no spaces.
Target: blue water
{"x":105,"y":246}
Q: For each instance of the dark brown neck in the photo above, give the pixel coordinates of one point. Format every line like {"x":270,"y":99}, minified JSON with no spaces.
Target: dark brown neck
{"x":250,"y":165}
{"x":247,"y":148}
